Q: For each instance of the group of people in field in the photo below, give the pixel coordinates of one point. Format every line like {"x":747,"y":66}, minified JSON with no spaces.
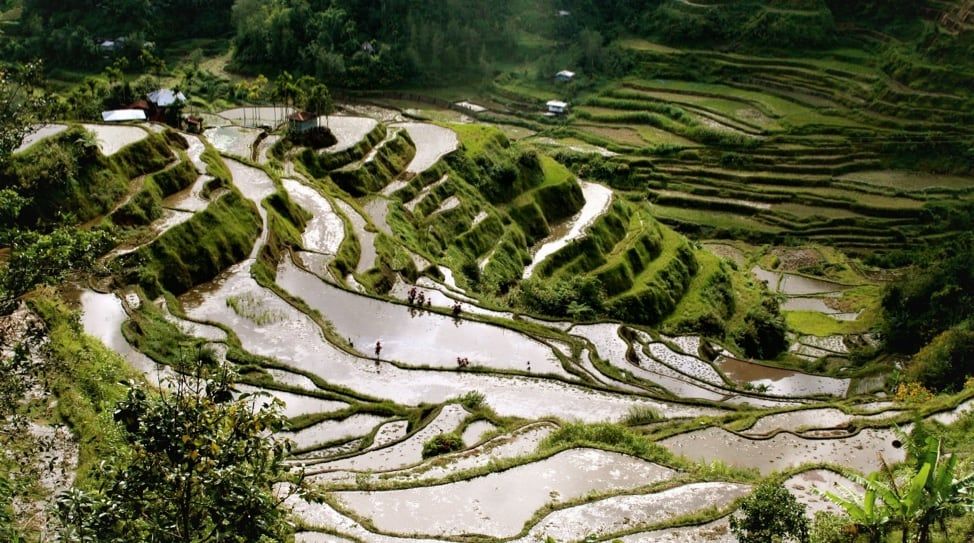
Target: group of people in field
{"x":417,"y":298}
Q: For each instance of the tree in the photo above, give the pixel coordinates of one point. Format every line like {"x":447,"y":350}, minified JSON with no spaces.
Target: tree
{"x":20,"y":105}
{"x":201,"y":468}
{"x":764,"y":334}
{"x":770,"y":515}
{"x":319,"y":102}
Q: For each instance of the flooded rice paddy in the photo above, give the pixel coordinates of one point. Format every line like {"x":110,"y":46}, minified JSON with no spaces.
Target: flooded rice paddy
{"x":112,"y":138}
{"x":371,"y":466}
{"x":432,"y":143}
{"x":597,"y":200}
{"x":500,"y":503}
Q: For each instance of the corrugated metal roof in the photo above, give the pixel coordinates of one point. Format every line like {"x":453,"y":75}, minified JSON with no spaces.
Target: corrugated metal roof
{"x":121,"y":115}
{"x":165,"y":97}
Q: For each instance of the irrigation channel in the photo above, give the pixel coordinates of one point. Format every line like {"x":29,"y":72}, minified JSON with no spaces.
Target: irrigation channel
{"x":509,"y":480}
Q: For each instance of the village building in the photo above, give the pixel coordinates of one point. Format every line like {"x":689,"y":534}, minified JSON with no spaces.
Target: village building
{"x":557,"y":107}
{"x":302,"y":121}
{"x":123,"y":115}
{"x":564,"y":76}
{"x":163,"y":105}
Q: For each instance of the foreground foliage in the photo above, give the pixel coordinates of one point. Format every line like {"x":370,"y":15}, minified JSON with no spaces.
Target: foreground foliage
{"x":771,"y":514}
{"x":201,"y":468}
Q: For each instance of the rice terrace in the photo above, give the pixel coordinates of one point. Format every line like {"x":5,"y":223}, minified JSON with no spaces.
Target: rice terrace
{"x":529,"y":270}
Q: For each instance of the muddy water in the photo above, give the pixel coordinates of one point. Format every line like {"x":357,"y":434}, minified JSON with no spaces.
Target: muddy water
{"x":809,"y":486}
{"x":40,"y":132}
{"x":194,"y":329}
{"x":446,"y":205}
{"x":366,"y":239}
{"x":295,"y":405}
{"x":390,"y":432}
{"x":404,"y":453}
{"x":233,"y":140}
{"x":264,"y":148}
{"x":292,"y":379}
{"x":324,"y":517}
{"x":432,"y":143}
{"x":347,"y":130}
{"x":417,"y":337}
{"x":859,"y":452}
{"x":112,"y":138}
{"x":686,"y":364}
{"x":597,"y":200}
{"x":712,"y":532}
{"x":319,"y":537}
{"x":950,"y":417}
{"x":781,"y":382}
{"x":325,"y":231}
{"x":797,"y":285}
{"x":769,"y":277}
{"x":476,"y":431}
{"x":333,"y":430}
{"x":810,"y":418}
{"x":500,"y":503}
{"x":622,"y":513}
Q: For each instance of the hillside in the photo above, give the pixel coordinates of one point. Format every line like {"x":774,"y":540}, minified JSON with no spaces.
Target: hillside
{"x":430,"y":306}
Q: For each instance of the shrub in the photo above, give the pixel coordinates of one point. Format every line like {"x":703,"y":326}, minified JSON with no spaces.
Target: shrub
{"x":945,"y":362}
{"x":764,"y":334}
{"x":770,"y":514}
{"x":442,"y":444}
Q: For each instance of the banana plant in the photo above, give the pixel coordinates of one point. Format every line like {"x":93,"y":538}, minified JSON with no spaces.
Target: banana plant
{"x":870,"y":516}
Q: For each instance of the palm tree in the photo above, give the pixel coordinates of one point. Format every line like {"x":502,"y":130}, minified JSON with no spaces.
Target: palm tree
{"x":319,"y":102}
{"x":284,"y":89}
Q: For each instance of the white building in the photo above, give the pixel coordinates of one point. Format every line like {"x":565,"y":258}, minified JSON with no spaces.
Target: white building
{"x":564,"y":76}
{"x":122,"y":115}
{"x":557,"y":107}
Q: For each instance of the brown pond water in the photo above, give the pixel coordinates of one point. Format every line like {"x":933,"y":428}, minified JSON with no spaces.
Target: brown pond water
{"x":712,"y":532}
{"x":40,"y":132}
{"x":781,"y":382}
{"x":399,"y":455}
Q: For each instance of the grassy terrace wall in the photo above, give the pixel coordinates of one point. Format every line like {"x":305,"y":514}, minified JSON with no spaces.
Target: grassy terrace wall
{"x":146,"y":205}
{"x":67,"y":175}
{"x":319,"y":164}
{"x":197,"y":250}
{"x":389,"y":160}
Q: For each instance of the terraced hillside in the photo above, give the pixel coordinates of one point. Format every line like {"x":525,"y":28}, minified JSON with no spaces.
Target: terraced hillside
{"x":372,"y":381}
{"x":828,"y":149}
{"x":395,"y":293}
